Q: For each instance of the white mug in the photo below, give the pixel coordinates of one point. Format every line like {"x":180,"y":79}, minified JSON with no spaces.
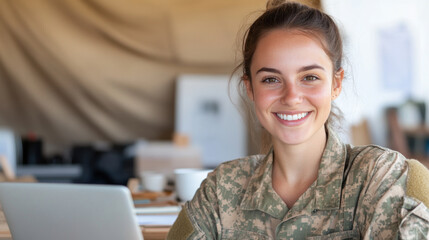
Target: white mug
{"x":187,"y":181}
{"x":153,"y":181}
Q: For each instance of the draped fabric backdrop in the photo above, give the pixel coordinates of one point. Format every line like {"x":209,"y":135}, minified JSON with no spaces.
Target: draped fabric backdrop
{"x":81,"y":71}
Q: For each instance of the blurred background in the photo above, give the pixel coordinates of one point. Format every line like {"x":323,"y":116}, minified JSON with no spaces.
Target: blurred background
{"x":96,"y":91}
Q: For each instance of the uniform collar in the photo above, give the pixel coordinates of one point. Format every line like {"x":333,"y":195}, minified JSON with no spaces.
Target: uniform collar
{"x":331,"y":174}
{"x":260,"y":195}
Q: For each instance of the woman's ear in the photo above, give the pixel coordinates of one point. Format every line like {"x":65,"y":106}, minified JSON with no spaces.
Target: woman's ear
{"x":337,"y":83}
{"x":249,"y":88}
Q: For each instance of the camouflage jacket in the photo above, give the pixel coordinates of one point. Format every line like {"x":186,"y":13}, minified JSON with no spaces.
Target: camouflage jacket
{"x":359,"y":194}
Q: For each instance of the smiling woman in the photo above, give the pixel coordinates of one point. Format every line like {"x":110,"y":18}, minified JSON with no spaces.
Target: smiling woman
{"x":309,"y":185}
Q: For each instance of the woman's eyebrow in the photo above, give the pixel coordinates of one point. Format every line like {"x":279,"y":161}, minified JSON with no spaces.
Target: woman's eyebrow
{"x":302,"y":69}
{"x":265,"y":69}
{"x":310,"y":67}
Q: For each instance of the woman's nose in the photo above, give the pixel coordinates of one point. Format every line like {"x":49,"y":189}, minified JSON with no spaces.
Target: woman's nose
{"x":291,"y":95}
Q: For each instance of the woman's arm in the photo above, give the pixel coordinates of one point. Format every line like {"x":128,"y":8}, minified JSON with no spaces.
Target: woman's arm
{"x":385,"y":210}
{"x":378,"y":214}
{"x":415,"y":222}
{"x":415,"y":214}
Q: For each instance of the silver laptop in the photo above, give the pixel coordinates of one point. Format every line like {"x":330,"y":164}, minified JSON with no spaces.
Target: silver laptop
{"x":47,"y":211}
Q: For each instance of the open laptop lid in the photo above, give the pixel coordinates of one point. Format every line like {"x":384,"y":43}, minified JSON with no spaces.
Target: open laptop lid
{"x":47,"y":211}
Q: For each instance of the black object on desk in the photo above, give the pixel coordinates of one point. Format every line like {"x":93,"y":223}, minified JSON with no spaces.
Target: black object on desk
{"x":32,"y":150}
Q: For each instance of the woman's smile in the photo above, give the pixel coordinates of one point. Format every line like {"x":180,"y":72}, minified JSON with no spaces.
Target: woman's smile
{"x":292,"y":119}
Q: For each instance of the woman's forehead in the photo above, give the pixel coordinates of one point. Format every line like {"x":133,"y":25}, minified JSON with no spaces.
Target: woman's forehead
{"x":289,"y":48}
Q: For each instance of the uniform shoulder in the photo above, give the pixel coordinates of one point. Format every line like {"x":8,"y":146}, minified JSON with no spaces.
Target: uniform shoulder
{"x":373,"y":153}
{"x":371,"y":149}
{"x":373,"y":159}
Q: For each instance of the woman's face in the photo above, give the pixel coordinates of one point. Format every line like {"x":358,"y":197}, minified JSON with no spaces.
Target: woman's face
{"x":292,"y":85}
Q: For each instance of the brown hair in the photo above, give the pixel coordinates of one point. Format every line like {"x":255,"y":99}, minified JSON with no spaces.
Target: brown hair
{"x":283,"y":14}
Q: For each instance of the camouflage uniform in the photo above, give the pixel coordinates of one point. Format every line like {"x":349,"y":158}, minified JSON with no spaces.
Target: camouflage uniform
{"x":359,"y":193}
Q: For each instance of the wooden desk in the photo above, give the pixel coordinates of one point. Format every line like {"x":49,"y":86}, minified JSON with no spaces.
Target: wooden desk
{"x":155,"y":233}
{"x":4,"y":229}
{"x":158,"y":199}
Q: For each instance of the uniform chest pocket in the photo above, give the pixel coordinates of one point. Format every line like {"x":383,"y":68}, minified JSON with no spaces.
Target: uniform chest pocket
{"x":240,"y":234}
{"x":351,"y":234}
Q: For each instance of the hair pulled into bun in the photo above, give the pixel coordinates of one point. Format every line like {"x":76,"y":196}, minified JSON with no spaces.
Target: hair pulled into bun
{"x":311,"y":3}
{"x":275,"y":3}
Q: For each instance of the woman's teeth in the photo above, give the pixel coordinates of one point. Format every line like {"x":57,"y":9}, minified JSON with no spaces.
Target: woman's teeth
{"x":291,"y":117}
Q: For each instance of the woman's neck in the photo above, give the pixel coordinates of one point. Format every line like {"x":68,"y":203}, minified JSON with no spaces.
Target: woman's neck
{"x":299,"y":163}
{"x":296,"y":167}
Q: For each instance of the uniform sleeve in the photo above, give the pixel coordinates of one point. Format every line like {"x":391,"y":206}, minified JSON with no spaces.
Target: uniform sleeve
{"x":379,"y":213}
{"x":415,"y":221}
{"x":202,"y":211}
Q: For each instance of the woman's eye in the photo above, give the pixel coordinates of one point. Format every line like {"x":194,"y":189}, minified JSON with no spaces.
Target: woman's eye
{"x":310,"y":78}
{"x":270,"y":80}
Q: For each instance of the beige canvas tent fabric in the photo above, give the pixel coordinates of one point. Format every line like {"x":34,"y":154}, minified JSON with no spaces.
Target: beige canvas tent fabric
{"x":81,"y":71}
